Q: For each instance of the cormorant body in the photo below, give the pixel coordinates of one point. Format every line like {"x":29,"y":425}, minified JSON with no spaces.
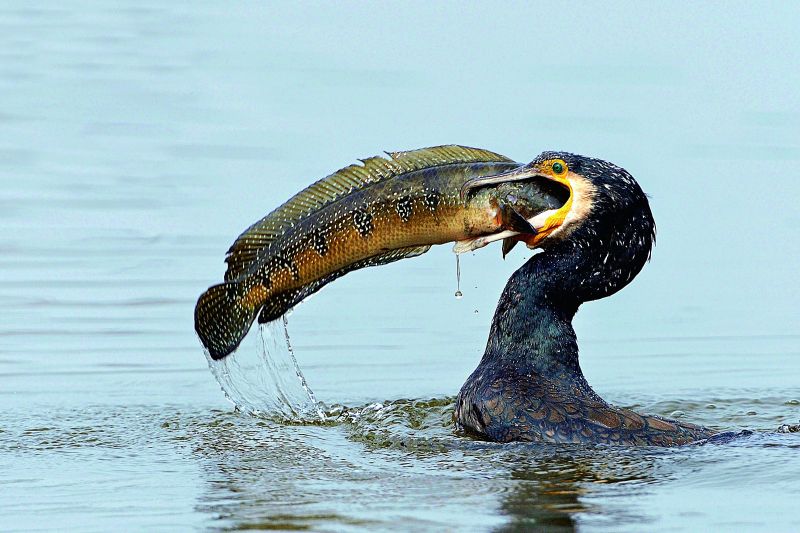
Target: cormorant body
{"x":529,"y":385}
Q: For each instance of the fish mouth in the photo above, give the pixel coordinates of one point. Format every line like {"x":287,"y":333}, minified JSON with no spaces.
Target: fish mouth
{"x":543,"y":223}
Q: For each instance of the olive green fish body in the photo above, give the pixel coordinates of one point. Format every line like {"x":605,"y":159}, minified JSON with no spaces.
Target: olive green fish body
{"x":402,"y":207}
{"x":420,"y":208}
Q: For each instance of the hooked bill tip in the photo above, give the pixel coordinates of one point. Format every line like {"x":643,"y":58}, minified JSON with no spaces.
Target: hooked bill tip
{"x":508,"y":244}
{"x":512,"y":220}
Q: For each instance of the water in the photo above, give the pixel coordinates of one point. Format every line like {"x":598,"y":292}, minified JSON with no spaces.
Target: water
{"x":458,"y":294}
{"x":262,"y":377}
{"x":138,"y":139}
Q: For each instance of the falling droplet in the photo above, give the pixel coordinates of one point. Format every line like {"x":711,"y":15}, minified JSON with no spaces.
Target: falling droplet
{"x":459,"y":294}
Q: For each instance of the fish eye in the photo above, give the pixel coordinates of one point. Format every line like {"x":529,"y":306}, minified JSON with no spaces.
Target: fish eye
{"x":559,"y":167}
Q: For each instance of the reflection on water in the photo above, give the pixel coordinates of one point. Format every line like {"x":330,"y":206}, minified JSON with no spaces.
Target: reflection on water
{"x":379,"y":465}
{"x":416,"y":461}
{"x":138,"y":139}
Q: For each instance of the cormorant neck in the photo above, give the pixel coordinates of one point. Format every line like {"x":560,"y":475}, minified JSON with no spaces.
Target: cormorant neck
{"x":532,"y":327}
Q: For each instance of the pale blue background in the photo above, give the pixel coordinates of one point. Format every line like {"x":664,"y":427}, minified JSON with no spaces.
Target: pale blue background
{"x":137,"y":139}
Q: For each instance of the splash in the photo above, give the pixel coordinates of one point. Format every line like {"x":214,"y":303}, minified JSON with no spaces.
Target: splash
{"x":262,"y":377}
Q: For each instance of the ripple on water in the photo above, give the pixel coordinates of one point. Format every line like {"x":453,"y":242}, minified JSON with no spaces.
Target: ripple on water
{"x":400,"y":454}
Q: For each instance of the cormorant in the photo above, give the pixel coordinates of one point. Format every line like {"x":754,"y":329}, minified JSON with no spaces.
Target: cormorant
{"x":529,"y":385}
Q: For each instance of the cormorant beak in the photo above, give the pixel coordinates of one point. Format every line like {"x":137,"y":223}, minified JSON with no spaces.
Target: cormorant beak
{"x":544,"y":223}
{"x":522,"y":173}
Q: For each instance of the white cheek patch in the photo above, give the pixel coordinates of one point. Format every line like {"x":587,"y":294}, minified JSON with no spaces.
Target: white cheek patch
{"x":583,"y":193}
{"x":539,"y":220}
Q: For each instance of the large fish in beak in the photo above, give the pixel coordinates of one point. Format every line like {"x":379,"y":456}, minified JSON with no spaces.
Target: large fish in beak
{"x":541,"y":223}
{"x":365,"y":215}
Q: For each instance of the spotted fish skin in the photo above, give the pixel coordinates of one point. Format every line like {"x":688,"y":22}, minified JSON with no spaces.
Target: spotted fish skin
{"x":417,"y":209}
{"x":412,"y":201}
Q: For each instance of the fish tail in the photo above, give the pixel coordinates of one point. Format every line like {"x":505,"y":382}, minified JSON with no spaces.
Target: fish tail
{"x":222,"y":318}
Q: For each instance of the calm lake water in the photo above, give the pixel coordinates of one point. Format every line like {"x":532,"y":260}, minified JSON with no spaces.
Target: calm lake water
{"x":137,"y":139}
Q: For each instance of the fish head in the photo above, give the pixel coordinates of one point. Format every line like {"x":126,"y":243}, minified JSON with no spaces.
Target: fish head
{"x":524,"y":201}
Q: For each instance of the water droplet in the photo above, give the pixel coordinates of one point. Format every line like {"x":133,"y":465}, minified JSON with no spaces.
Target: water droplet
{"x":476,"y":311}
{"x":459,"y":294}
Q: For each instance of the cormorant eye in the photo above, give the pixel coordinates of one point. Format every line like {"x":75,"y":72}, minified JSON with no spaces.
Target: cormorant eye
{"x":559,"y":167}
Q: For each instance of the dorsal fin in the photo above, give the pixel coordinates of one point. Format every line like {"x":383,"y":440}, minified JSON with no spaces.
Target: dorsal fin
{"x":244,"y":250}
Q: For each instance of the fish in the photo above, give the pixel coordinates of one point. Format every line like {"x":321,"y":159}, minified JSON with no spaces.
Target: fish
{"x":373,"y":213}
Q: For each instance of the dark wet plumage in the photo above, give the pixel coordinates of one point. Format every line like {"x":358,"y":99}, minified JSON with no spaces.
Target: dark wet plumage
{"x":529,"y":385}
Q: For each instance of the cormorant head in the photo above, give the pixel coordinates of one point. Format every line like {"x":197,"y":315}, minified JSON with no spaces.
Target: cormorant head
{"x":604,"y":232}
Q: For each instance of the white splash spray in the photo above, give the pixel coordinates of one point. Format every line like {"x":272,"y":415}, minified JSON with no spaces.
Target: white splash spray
{"x":262,"y":376}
